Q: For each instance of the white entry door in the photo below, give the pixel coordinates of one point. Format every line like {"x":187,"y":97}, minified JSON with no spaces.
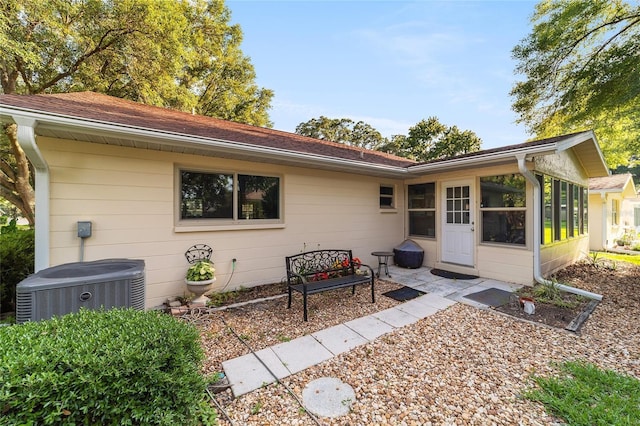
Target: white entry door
{"x":458,"y":223}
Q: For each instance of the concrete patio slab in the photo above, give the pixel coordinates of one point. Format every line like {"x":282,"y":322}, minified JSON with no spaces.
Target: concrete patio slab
{"x":339,"y":339}
{"x":369,"y":327}
{"x":396,"y":317}
{"x":418,"y":309}
{"x":301,"y":353}
{"x":434,"y":300}
{"x":246,"y":373}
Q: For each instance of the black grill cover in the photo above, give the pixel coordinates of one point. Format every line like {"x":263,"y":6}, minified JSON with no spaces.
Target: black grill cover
{"x":408,"y":255}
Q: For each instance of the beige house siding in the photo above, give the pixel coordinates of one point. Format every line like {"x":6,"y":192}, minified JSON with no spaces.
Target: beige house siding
{"x":130,"y":196}
{"x":599,"y":220}
{"x":502,"y":262}
{"x":498,"y":261}
{"x":563,"y":165}
{"x":560,"y":254}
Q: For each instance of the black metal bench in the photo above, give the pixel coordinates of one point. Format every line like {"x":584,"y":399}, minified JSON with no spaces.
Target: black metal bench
{"x":323,"y":270}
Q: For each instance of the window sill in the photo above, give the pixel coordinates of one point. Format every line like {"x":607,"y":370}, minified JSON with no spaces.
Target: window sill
{"x":504,"y":245}
{"x":422,"y":237}
{"x":239,"y":226}
{"x":388,"y":210}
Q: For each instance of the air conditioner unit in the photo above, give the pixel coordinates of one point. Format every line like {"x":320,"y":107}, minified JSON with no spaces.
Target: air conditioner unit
{"x":66,"y":288}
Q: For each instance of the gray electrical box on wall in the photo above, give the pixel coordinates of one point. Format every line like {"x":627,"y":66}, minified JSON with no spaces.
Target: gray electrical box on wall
{"x":84,"y":229}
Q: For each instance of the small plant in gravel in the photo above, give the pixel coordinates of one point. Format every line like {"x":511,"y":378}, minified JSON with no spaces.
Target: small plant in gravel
{"x":283,"y":338}
{"x":219,"y":299}
{"x":256,"y":408}
{"x":550,"y":293}
{"x":585,"y":395}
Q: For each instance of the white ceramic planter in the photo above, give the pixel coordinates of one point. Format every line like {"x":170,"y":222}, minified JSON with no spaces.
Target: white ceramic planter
{"x":199,"y":288}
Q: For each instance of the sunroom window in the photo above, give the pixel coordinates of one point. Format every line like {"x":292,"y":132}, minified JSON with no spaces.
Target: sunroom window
{"x":564,"y":213}
{"x":231,"y":196}
{"x":503,"y":209}
{"x":421,"y":205}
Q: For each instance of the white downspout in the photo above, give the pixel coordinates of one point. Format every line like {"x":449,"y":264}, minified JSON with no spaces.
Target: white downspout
{"x":27,"y":140}
{"x":605,"y":228}
{"x":537,"y":275}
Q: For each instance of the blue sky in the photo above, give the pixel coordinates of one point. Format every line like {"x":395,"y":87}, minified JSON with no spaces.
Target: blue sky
{"x":388,"y":63}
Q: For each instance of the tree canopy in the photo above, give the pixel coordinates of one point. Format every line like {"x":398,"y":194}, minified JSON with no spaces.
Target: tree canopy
{"x":342,"y":130}
{"x":431,"y":140}
{"x":181,"y":54}
{"x":427,"y":140}
{"x":581,"y":64}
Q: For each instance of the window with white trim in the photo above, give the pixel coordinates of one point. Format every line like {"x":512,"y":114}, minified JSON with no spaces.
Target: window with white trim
{"x":230,"y":196}
{"x":421,"y":206}
{"x":615,"y":212}
{"x":503,"y":209}
{"x":387,"y":199}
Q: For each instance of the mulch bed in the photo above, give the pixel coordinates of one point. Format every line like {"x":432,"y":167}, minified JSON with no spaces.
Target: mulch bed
{"x":548,"y":313}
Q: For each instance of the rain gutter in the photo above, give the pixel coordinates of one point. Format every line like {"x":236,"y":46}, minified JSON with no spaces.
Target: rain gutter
{"x":181,"y":140}
{"x":27,"y":140}
{"x":605,"y":230}
{"x":537,"y":275}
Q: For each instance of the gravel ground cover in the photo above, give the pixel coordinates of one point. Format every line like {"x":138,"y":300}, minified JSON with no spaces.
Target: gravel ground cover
{"x":460,"y":366}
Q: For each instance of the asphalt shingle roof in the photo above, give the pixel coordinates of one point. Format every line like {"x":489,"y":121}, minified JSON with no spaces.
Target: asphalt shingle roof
{"x":107,"y":109}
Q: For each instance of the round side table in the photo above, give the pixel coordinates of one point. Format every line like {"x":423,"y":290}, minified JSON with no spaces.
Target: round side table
{"x":383,"y":260}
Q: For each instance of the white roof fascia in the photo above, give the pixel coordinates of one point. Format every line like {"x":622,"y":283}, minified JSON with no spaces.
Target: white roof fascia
{"x":63,"y":122}
{"x":488,"y":158}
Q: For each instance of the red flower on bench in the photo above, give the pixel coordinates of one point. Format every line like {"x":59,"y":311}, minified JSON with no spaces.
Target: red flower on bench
{"x":319,"y":276}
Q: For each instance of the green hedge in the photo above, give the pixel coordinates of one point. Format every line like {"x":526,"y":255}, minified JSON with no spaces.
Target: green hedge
{"x":118,"y":367}
{"x":17,"y":256}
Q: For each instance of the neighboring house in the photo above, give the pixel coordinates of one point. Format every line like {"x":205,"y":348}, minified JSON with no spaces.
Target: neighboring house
{"x":154,"y":181}
{"x":614,"y":209}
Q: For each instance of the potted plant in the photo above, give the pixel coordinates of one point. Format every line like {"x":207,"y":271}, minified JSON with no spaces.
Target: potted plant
{"x":200,"y":278}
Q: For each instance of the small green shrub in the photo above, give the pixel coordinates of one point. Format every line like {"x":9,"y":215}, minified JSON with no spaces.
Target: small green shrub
{"x":117,"y":367}
{"x":17,"y":250}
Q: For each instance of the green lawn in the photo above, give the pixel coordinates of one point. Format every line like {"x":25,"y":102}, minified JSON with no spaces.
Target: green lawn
{"x":631,"y":258}
{"x":583,"y":394}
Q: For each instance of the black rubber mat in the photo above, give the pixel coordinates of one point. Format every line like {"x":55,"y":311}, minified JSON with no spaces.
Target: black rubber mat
{"x":452,"y":275}
{"x":491,"y":296}
{"x":403,"y":293}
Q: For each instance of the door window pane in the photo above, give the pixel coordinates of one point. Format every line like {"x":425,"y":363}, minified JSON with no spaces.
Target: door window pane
{"x":458,"y":203}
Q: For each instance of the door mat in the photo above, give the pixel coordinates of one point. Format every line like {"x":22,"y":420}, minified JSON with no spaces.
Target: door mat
{"x":452,"y":275}
{"x":492,"y":296}
{"x":403,"y":293}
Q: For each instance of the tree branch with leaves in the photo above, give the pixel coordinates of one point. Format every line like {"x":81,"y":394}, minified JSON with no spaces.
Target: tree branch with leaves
{"x":181,"y":54}
{"x":580,"y":64}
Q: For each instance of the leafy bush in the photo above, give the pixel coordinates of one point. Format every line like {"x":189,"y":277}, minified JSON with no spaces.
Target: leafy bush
{"x":17,"y":254}
{"x":119,"y":367}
